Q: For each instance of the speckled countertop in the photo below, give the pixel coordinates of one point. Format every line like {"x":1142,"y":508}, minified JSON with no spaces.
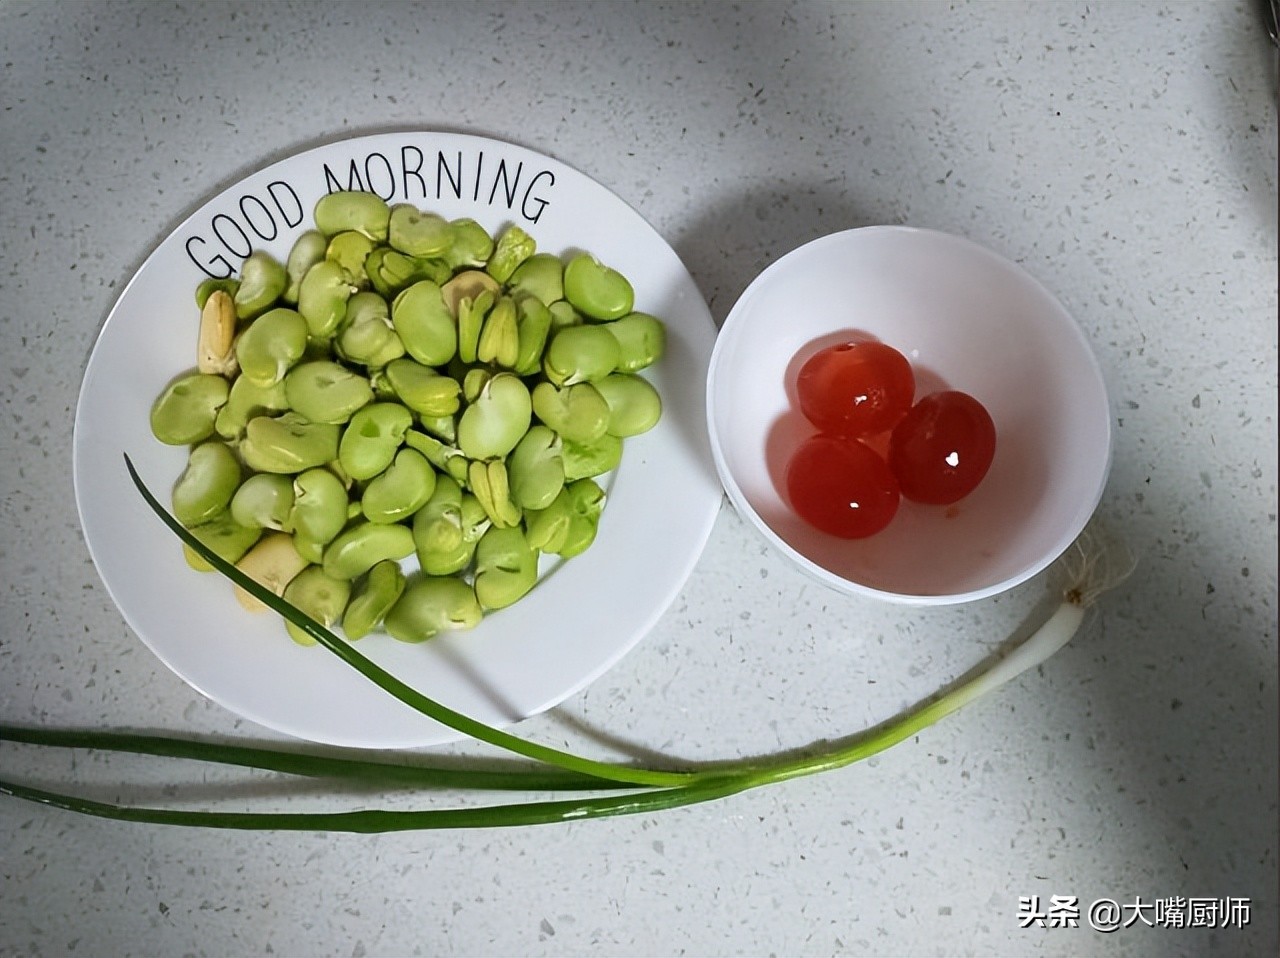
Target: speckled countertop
{"x":1124,"y":153}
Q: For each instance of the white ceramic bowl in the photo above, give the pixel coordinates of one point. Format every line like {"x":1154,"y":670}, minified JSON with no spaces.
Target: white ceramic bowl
{"x":968,"y":320}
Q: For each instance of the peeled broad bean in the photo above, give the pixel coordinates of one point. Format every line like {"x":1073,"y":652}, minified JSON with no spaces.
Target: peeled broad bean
{"x":287,"y":444}
{"x":513,"y":247}
{"x":262,"y":280}
{"x":472,"y":312}
{"x":426,"y":327}
{"x":247,"y":400}
{"x":437,"y":526}
{"x":417,"y":233}
{"x":400,"y":490}
{"x":585,"y":460}
{"x":422,"y":389}
{"x":469,"y":244}
{"x":578,"y":412}
{"x":449,"y":460}
{"x":563,"y":314}
{"x":264,"y":501}
{"x":350,"y":250}
{"x":371,"y":439}
{"x":320,"y":504}
{"x":585,"y":502}
{"x":308,"y":249}
{"x":365,"y":213}
{"x":634,"y":405}
{"x":324,"y":391}
{"x":596,"y":290}
{"x":320,"y":596}
{"x":535,"y":469}
{"x":272,"y":563}
{"x":534,"y":326}
{"x":366,"y":335}
{"x":271,"y":345}
{"x":322,"y":298}
{"x":542,"y":276}
{"x":495,"y":421}
{"x":371,"y":598}
{"x":489,"y":484}
{"x":206,"y":485}
{"x":225,"y":537}
{"x":208,"y":287}
{"x":187,"y":410}
{"x":506,"y":567}
{"x":642,"y":340}
{"x":431,"y":605}
{"x":468,"y":284}
{"x":499,"y":342}
{"x":580,"y":354}
{"x":359,"y":548}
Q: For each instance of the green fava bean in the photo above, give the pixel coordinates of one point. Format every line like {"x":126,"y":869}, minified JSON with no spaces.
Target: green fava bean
{"x":506,"y":567}
{"x":425,"y":325}
{"x":324,"y":391}
{"x":208,"y":287}
{"x":449,"y":460}
{"x":578,"y":413}
{"x":247,"y":400}
{"x":642,"y":340}
{"x":422,"y":389}
{"x":417,"y":233}
{"x":287,"y":444}
{"x":469,"y":244}
{"x":366,"y":335}
{"x":595,"y":290}
{"x":585,"y":460}
{"x":320,"y":596}
{"x":350,"y":250}
{"x":437,"y":526}
{"x":309,"y":549}
{"x":206,"y":485}
{"x":366,"y":213}
{"x":514,"y":246}
{"x":578,"y":354}
{"x":265,"y":501}
{"x":634,"y":405}
{"x":371,"y":439}
{"x":431,"y":605}
{"x":322,"y":298}
{"x":585,"y":503}
{"x":225,"y":537}
{"x":262,"y":280}
{"x":359,"y":548}
{"x":372,"y":598}
{"x":547,"y":529}
{"x":187,"y":410}
{"x":534,"y":326}
{"x":319,"y":506}
{"x":472,"y":312}
{"x":541,"y":276}
{"x":535,"y":469}
{"x":272,"y":345}
{"x":499,"y":342}
{"x":400,"y":490}
{"x":307,"y":250}
{"x":563,"y":314}
{"x":491,"y":426}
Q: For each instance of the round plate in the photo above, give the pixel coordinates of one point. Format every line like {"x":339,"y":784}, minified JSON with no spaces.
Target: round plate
{"x":584,"y":614}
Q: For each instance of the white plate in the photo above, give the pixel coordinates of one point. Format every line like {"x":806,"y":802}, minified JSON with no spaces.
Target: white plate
{"x":582,"y":617}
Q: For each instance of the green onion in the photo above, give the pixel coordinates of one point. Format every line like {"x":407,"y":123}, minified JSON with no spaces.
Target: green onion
{"x":1093,"y":566}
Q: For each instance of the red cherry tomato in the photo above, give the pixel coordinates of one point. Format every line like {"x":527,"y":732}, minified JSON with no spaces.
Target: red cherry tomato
{"x":942,"y":448}
{"x":840,"y":486}
{"x":856,"y":389}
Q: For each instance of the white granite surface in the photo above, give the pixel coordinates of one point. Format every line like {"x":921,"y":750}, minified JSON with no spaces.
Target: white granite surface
{"x":1125,"y":153}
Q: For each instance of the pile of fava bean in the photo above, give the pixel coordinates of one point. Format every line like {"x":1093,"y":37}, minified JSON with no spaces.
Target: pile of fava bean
{"x":405,"y":385}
